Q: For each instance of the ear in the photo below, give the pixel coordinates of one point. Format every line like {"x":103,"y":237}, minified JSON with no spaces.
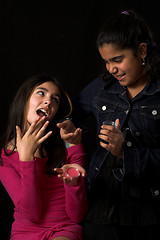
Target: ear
{"x":142,"y":51}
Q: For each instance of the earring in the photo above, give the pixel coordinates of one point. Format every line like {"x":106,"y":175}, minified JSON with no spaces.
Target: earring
{"x":143,"y":62}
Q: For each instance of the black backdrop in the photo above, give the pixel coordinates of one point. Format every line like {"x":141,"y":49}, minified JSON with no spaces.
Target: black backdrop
{"x":57,"y":37}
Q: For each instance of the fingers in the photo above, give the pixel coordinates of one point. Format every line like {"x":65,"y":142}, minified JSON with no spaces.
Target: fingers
{"x":112,"y":138}
{"x":39,"y":124}
{"x":62,"y":125}
{"x":66,"y":136}
{"x":38,"y":127}
{"x":72,"y":180}
{"x":42,"y":139}
{"x":105,"y":145}
{"x":106,"y":139}
{"x":107,"y":135}
{"x":36,"y":131}
{"x":69,"y":133}
{"x":19,"y":133}
{"x":79,"y":167}
{"x":117,"y":123}
{"x":61,"y":174}
{"x":58,"y":170}
{"x":18,"y":130}
{"x":81,"y":170}
{"x":67,"y":126}
{"x":73,"y":138}
{"x":35,"y":126}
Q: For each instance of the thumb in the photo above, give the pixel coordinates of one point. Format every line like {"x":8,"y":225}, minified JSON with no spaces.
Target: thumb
{"x":117,"y":124}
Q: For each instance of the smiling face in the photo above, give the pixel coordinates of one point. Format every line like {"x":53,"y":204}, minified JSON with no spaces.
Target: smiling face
{"x":44,"y":101}
{"x":123,"y":64}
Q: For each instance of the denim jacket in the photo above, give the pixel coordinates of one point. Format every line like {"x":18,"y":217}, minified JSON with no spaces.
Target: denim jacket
{"x":140,"y":123}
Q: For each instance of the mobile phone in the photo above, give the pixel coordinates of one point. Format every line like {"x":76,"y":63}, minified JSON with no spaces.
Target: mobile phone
{"x":109,"y":122}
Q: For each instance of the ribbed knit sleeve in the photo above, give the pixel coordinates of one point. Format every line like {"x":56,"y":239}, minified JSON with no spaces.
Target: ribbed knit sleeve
{"x":76,"y":197}
{"x":20,"y":181}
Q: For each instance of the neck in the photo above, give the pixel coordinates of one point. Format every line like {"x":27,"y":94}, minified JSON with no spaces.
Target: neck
{"x":136,"y":88}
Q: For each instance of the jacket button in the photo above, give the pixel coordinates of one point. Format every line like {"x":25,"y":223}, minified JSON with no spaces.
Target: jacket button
{"x":129,"y":144}
{"x":137,"y":134}
{"x":156,"y":192}
{"x":127,"y":111}
{"x":104,"y":108}
{"x":154,"y":112}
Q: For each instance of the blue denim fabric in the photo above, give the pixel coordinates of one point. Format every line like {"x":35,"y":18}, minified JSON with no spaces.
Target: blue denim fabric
{"x":140,"y":122}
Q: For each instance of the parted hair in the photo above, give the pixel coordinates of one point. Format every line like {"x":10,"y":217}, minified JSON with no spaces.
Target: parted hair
{"x":54,"y":145}
{"x":128,"y":30}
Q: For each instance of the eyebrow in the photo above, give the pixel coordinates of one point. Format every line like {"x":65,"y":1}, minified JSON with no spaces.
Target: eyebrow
{"x":46,"y":90}
{"x":120,"y":56}
{"x":114,"y":58}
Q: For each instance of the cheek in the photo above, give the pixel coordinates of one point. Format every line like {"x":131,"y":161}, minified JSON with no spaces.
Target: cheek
{"x":31,"y":108}
{"x":107,"y":67}
{"x":136,"y":69}
{"x":29,"y":114}
{"x":32,"y":103}
{"x":54,"y":112}
{"x":130,"y":68}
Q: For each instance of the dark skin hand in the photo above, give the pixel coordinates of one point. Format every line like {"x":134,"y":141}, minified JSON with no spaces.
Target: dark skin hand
{"x":114,"y":138}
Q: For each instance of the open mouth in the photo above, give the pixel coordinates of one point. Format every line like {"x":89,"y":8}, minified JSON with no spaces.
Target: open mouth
{"x":120,"y":77}
{"x":42,"y":112}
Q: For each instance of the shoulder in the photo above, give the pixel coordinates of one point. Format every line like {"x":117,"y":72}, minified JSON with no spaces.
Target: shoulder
{"x":8,"y":156}
{"x":91,"y":89}
{"x":97,"y":82}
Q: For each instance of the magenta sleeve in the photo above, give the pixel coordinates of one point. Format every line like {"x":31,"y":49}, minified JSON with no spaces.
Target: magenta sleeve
{"x":22,"y":186}
{"x":76,"y":196}
{"x":76,"y":200}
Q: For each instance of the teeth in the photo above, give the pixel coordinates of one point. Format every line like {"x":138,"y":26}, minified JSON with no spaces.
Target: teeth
{"x":43,"y":111}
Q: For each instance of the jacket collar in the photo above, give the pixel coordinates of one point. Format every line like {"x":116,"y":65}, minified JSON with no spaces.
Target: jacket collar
{"x":113,"y":86}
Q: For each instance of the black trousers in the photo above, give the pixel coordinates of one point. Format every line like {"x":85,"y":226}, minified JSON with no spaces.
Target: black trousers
{"x":114,"y":232}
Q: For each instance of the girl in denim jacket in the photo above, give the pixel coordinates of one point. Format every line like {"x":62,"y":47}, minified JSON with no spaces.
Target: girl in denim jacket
{"x":124,"y":171}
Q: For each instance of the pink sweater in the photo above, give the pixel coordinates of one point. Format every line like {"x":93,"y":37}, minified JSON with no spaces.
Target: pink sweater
{"x":44,"y":206}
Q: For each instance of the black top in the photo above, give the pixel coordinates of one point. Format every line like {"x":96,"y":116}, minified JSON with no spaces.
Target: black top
{"x":112,"y":201}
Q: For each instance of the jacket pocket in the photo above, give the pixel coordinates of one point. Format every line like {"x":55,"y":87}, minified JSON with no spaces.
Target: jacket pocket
{"x":150,"y":116}
{"x":105,"y":109}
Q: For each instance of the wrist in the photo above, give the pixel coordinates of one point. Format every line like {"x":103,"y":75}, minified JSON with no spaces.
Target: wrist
{"x":26,"y":158}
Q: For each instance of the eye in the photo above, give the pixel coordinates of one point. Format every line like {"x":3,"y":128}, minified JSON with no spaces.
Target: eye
{"x":118,"y":60}
{"x":41,"y":93}
{"x":56,"y":99}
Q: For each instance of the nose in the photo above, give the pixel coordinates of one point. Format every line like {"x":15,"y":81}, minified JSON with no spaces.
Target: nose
{"x":47,"y":101}
{"x":111,"y":68}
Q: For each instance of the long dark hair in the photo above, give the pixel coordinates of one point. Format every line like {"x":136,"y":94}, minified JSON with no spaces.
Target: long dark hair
{"x":128,"y":30}
{"x":54,"y":145}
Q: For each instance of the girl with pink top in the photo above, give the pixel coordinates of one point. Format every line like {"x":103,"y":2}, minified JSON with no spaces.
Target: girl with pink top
{"x":34,"y":158}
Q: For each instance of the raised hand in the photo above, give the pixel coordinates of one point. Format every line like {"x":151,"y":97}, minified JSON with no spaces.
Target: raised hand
{"x":113,"y":138}
{"x":69,"y":133}
{"x":28,"y":144}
